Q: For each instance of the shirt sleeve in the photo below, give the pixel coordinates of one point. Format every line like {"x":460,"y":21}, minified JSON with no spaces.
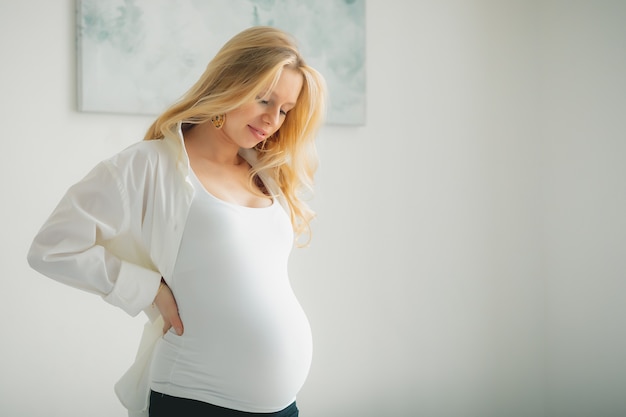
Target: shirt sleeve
{"x":71,"y":245}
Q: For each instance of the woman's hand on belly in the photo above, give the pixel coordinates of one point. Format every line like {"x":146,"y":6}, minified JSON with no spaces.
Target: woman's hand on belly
{"x":166,"y":303}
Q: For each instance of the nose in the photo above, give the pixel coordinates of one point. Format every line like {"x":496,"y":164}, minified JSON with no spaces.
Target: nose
{"x":272,"y":115}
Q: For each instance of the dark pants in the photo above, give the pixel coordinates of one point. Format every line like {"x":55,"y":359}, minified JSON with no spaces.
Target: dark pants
{"x":162,"y":405}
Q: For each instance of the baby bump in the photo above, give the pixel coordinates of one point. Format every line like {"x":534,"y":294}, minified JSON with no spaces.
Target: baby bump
{"x":258,"y":350}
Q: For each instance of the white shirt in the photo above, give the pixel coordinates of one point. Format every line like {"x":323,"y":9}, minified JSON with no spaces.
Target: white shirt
{"x":117,"y":232}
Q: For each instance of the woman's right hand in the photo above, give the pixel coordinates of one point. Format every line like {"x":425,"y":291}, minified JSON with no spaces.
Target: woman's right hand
{"x":166,"y":303}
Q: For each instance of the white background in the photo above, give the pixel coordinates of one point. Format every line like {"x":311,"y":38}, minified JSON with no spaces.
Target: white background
{"x":468,"y":259}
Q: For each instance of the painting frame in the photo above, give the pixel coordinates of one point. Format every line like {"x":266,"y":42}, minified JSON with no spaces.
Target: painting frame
{"x":140,"y":56}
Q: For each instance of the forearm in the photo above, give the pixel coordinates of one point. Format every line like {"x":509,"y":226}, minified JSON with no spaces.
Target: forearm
{"x":74,"y":246}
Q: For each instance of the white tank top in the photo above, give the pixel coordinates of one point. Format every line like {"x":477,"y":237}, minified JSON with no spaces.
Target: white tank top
{"x":247,"y":342}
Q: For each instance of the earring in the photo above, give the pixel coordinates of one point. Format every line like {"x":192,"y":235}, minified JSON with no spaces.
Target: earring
{"x":218,"y":121}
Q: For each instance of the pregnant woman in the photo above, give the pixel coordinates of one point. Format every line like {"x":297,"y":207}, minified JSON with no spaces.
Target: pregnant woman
{"x":194,"y":226}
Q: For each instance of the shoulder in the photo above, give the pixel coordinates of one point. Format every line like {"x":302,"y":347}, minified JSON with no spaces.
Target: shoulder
{"x":143,"y":163}
{"x":144,"y":155}
{"x":146,"y":150}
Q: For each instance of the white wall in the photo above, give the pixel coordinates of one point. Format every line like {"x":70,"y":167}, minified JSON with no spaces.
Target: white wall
{"x":468,"y":258}
{"x":584,"y":199}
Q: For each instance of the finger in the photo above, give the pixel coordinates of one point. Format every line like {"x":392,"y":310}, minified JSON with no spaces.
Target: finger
{"x":177,"y":323}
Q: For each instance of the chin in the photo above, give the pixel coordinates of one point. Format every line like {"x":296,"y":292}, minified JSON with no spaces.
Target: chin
{"x":249,"y":146}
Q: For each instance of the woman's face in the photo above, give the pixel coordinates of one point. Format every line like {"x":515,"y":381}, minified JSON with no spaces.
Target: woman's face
{"x":254,"y":122}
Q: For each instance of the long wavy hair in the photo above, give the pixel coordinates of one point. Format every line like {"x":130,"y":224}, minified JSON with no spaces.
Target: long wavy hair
{"x":247,"y":66}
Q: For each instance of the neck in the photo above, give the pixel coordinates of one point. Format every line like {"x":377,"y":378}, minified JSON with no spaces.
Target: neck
{"x":206,"y":142}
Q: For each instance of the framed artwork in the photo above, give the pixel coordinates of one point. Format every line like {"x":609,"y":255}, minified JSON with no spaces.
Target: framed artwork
{"x":140,"y":56}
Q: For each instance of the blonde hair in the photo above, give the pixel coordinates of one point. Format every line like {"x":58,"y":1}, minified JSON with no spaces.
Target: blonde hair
{"x":246,"y":67}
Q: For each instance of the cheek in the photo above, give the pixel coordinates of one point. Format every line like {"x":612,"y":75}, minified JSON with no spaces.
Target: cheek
{"x":246,"y":111}
{"x":283,"y":120}
{"x":236,"y":121}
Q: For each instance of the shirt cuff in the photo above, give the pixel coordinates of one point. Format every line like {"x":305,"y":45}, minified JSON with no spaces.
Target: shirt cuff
{"x":134,"y":289}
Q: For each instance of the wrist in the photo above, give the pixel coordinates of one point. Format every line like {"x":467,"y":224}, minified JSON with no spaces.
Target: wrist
{"x":161,"y":285}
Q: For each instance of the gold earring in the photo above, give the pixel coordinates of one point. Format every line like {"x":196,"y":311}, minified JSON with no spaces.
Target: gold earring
{"x":218,"y":121}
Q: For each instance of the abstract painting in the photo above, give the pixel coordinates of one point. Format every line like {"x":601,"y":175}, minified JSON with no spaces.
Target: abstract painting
{"x":140,"y":56}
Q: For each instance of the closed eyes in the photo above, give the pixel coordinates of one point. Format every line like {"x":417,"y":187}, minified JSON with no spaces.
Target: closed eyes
{"x":266,"y":102}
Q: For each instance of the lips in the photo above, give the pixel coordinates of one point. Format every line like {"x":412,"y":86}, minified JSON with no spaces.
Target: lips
{"x":257,"y":132}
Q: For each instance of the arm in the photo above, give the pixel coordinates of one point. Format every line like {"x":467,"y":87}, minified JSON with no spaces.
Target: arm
{"x":71,"y":247}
